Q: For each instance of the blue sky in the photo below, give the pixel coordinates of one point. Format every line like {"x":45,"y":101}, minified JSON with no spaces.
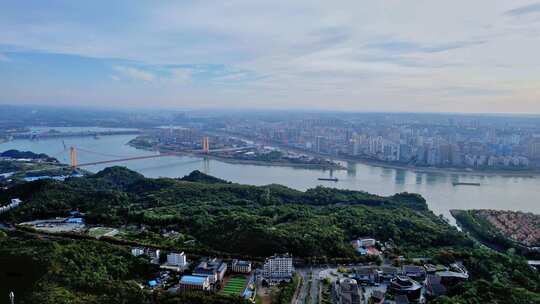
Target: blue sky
{"x":417,"y":55}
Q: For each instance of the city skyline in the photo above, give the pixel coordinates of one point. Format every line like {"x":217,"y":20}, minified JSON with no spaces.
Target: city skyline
{"x":365,"y":57}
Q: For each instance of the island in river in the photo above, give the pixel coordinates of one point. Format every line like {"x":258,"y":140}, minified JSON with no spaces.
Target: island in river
{"x":240,"y":152}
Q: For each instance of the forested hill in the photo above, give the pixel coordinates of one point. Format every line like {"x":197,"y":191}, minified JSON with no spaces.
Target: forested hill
{"x":212,"y":217}
{"x":240,"y":219}
{"x":27,"y":155}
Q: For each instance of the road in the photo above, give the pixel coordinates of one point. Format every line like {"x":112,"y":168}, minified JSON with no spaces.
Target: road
{"x":301,"y":299}
{"x":313,"y":291}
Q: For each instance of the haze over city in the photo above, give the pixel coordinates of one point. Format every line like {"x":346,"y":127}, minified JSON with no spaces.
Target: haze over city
{"x":269,"y":152}
{"x":414,"y":56}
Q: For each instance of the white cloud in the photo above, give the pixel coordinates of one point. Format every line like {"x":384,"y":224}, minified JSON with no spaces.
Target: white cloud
{"x":309,"y":52}
{"x":135,"y":73}
{"x":181,"y":76}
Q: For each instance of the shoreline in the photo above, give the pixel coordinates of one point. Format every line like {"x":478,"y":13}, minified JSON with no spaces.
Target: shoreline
{"x":529,"y":174}
{"x":249,"y":162}
{"x":381,"y":164}
{"x":364,"y":161}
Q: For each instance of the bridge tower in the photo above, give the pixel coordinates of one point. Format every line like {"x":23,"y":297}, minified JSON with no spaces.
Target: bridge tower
{"x":206,"y":145}
{"x":73,"y":154}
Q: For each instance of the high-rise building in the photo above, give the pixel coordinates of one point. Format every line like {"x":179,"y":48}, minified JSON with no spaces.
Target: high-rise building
{"x":177,"y":259}
{"x":278,"y":268}
{"x":534,"y":148}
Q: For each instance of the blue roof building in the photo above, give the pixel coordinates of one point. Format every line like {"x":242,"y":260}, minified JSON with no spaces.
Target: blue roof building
{"x":214,"y":269}
{"x":74,"y":220}
{"x":194,"y":282}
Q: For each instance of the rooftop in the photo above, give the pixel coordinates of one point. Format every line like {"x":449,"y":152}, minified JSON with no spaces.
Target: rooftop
{"x":187,"y":279}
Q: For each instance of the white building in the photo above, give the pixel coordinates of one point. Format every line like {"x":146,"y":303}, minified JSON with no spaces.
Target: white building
{"x":153,"y":254}
{"x":194,"y":282}
{"x":177,"y":259}
{"x":214,"y":269}
{"x":241,"y":266}
{"x":14,"y":204}
{"x":278,"y":268}
{"x":137,"y":251}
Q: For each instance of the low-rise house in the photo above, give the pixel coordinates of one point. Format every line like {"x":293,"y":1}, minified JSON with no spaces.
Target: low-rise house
{"x":366,"y":246}
{"x":364,"y":242}
{"x":239,"y":266}
{"x":74,"y":220}
{"x":153,"y":254}
{"x":214,"y":269}
{"x":347,"y":291}
{"x":137,"y":251}
{"x":194,"y":282}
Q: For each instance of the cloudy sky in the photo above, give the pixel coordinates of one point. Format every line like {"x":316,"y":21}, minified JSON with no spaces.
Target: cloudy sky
{"x":372,"y":55}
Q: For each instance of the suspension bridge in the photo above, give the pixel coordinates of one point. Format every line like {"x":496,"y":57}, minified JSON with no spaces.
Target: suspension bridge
{"x":74,"y":151}
{"x":76,"y":164}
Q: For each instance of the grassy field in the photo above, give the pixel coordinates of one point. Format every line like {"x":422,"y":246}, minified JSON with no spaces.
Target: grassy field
{"x":98,"y":232}
{"x":234,"y":286}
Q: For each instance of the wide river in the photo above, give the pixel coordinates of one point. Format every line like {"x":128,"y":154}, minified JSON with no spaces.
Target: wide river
{"x":495,"y":192}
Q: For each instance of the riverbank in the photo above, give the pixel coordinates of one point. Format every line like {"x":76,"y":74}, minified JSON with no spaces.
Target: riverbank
{"x":472,"y":172}
{"x":244,"y":161}
{"x":276,"y":164}
{"x":416,"y":169}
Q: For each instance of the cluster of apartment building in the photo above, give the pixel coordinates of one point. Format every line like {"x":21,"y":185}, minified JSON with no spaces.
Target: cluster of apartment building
{"x":424,"y":144}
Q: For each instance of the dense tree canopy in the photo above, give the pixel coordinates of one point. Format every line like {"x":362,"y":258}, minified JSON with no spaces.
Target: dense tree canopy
{"x":241,"y":219}
{"x":229,"y":219}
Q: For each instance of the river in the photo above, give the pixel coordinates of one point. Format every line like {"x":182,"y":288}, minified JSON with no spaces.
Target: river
{"x":495,"y":192}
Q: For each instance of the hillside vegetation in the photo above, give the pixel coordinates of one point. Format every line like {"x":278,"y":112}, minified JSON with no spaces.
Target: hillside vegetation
{"x":219,"y":218}
{"x":241,"y":219}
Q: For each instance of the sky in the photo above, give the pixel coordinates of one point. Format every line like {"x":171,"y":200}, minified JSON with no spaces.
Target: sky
{"x":371,"y":55}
